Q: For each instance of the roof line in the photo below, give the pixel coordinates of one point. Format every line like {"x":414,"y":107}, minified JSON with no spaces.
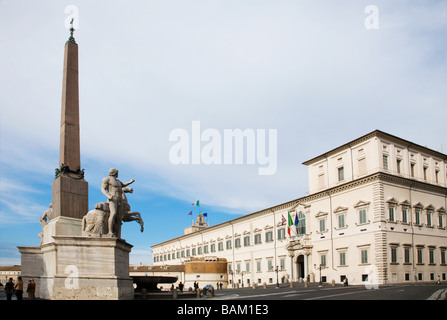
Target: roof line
{"x":375,"y":133}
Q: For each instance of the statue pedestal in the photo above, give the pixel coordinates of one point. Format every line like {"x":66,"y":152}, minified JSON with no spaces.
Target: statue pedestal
{"x":79,"y":268}
{"x":69,"y":197}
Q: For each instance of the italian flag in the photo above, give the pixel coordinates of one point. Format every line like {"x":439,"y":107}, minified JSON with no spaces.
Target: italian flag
{"x":196,"y":203}
{"x":289,"y":223}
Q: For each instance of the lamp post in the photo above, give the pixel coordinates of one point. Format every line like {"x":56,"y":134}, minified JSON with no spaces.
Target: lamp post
{"x":242,"y":276}
{"x":277,"y":280}
{"x":322,"y":265}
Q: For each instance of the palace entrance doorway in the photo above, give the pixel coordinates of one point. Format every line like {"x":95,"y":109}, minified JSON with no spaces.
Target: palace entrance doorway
{"x":300,"y":266}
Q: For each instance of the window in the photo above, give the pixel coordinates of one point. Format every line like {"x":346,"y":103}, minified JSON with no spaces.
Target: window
{"x":398,"y":163}
{"x":205,"y":249}
{"x":213,"y":247}
{"x":362,"y":216}
{"x":282,"y":263}
{"x":431,"y":256}
{"x":404,"y":215}
{"x":220,"y":246}
{"x":228,"y":244}
{"x":301,"y":227}
{"x":364,"y":256}
{"x":199,"y":250}
{"x":269,"y":265}
{"x":441,"y":220}
{"x":258,"y":266}
{"x":247,"y":266}
{"x":257,"y":238}
{"x":443,"y":260}
{"x":246,"y":241}
{"x":193,"y":251}
{"x":341,"y":220}
{"x":385,"y":162}
{"x":269,"y":236}
{"x":418,"y":217}
{"x":341,"y":174}
{"x":237,"y":243}
{"x":419,"y":255}
{"x":407,"y":255}
{"x":429,"y":219}
{"x":322,"y":225}
{"x":425,"y":173}
{"x":391,"y":215}
{"x":323,"y":260}
{"x":281,"y":233}
{"x":412,"y":166}
{"x":394,"y":255}
{"x":343,"y":258}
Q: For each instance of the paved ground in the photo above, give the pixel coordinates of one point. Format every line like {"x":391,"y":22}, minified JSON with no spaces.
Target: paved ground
{"x":327,"y":292}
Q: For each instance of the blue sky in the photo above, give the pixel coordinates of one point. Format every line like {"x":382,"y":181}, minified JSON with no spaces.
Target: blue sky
{"x":308,"y":69}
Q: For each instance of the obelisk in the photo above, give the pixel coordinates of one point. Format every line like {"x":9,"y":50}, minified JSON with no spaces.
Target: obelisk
{"x":69,"y":189}
{"x":69,"y":153}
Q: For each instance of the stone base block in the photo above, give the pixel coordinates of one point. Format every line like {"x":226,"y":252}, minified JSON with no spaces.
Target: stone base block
{"x":64,"y":226}
{"x":79,"y":268}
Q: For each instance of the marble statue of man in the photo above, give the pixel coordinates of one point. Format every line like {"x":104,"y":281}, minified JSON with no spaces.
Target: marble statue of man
{"x":112,"y":188}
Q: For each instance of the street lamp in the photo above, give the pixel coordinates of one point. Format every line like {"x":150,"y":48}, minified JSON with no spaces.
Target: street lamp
{"x":242,"y":275}
{"x":277,"y":281}
{"x":322,"y":265}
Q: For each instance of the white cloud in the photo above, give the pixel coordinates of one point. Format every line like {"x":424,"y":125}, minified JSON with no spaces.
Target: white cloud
{"x":310,"y":70}
{"x":140,"y":256}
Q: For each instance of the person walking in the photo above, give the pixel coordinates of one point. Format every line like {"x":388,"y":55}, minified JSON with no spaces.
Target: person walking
{"x":18,"y":288}
{"x":180,"y":286}
{"x":9,"y":289}
{"x":31,"y":289}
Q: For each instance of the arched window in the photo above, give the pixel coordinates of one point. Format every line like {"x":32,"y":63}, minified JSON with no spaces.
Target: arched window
{"x":301,"y":227}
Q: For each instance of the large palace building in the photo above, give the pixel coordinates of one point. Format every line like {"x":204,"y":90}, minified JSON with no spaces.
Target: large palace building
{"x":375,"y":213}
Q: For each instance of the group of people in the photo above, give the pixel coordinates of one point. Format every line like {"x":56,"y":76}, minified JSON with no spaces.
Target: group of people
{"x":17,"y":289}
{"x":196,"y":286}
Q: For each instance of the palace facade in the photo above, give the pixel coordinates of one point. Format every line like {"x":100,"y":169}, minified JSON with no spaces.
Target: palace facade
{"x":375,"y":213}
